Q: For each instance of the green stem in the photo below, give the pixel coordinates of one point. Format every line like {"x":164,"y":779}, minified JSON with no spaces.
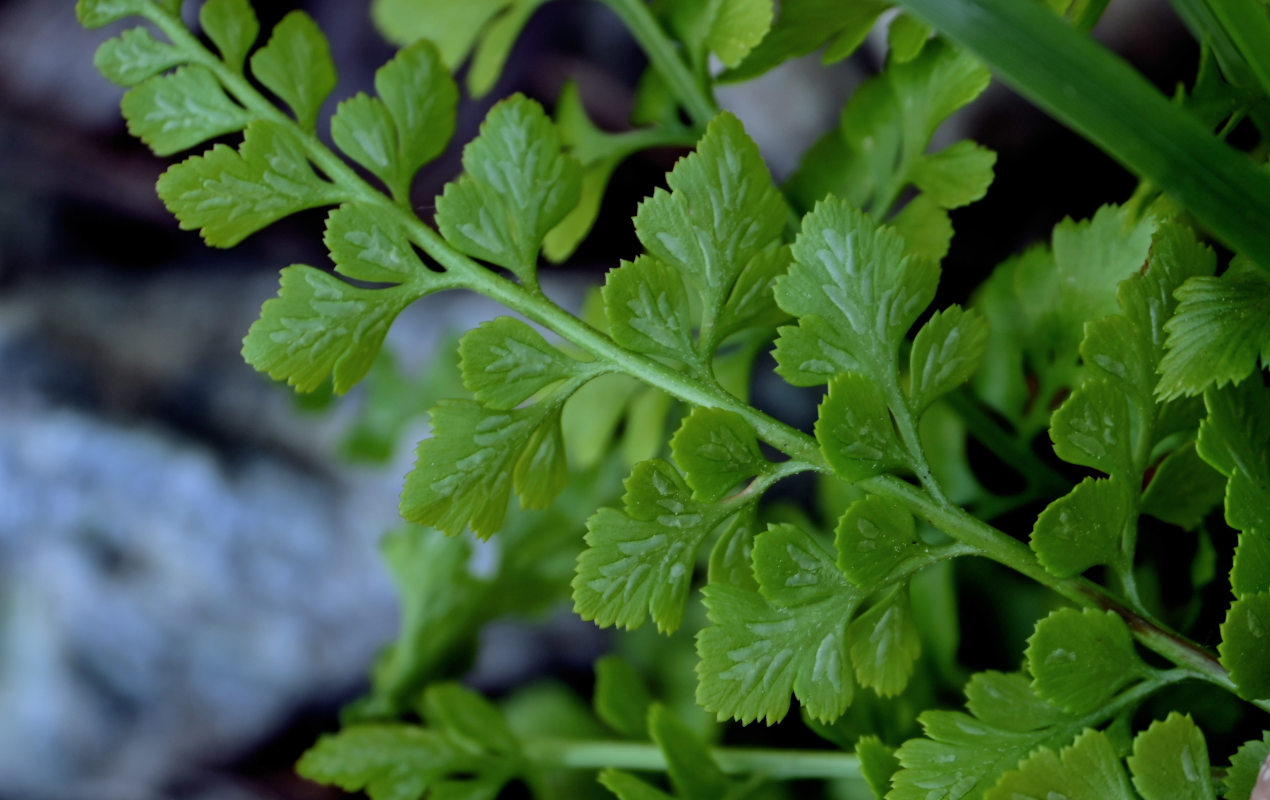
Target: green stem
{"x":775,"y":764}
{"x":1041,"y":477}
{"x":906,"y":422}
{"x":665,"y":58}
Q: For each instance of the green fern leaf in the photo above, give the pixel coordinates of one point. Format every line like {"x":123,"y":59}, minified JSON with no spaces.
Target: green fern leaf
{"x":232,"y":26}
{"x":1088,"y":769}
{"x":175,"y":112}
{"x":1080,"y":659}
{"x":1170,"y":761}
{"x":518,"y":185}
{"x":97,"y":13}
{"x":649,"y":311}
{"x":465,"y":473}
{"x":134,"y":56}
{"x":1220,"y":330}
{"x":320,"y":326}
{"x":295,"y":64}
{"x":788,"y":638}
{"x":855,"y":429}
{"x":722,"y":212}
{"x":717,"y":451}
{"x":230,"y":194}
{"x":639,"y":561}
{"x":857,"y":277}
{"x":505,"y":362}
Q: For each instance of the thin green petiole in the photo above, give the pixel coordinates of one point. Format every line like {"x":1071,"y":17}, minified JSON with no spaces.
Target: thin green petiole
{"x":665,"y":58}
{"x":772,"y":763}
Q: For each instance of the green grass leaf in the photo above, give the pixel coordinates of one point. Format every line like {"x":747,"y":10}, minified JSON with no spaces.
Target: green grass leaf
{"x":319,"y":326}
{"x":884,"y":644}
{"x":464,"y":474}
{"x":1245,"y":768}
{"x":1170,"y":761}
{"x":505,"y":362}
{"x":648,"y":309}
{"x":1084,"y":527}
{"x":232,"y":26}
{"x":230,"y":194}
{"x":717,"y":450}
{"x":721,"y":212}
{"x":177,"y":111}
{"x":857,"y":277}
{"x":1088,"y":769}
{"x":135,"y":55}
{"x":295,"y":64}
{"x":1080,"y":659}
{"x":1220,"y":330}
{"x":517,"y":186}
{"x":790,"y":637}
{"x":946,"y":352}
{"x":874,"y":536}
{"x":1243,"y":648}
{"x":855,"y":429}
{"x":639,"y":561}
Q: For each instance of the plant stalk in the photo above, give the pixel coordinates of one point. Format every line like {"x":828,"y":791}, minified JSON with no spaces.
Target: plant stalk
{"x":664,"y":57}
{"x":772,"y":763}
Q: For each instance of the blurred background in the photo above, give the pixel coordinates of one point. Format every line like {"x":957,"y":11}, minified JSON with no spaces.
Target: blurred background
{"x":189,"y":581}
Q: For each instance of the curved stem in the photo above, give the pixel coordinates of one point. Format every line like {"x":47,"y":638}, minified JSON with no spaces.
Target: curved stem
{"x":665,"y":59}
{"x":772,"y":763}
{"x":1041,"y":477}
